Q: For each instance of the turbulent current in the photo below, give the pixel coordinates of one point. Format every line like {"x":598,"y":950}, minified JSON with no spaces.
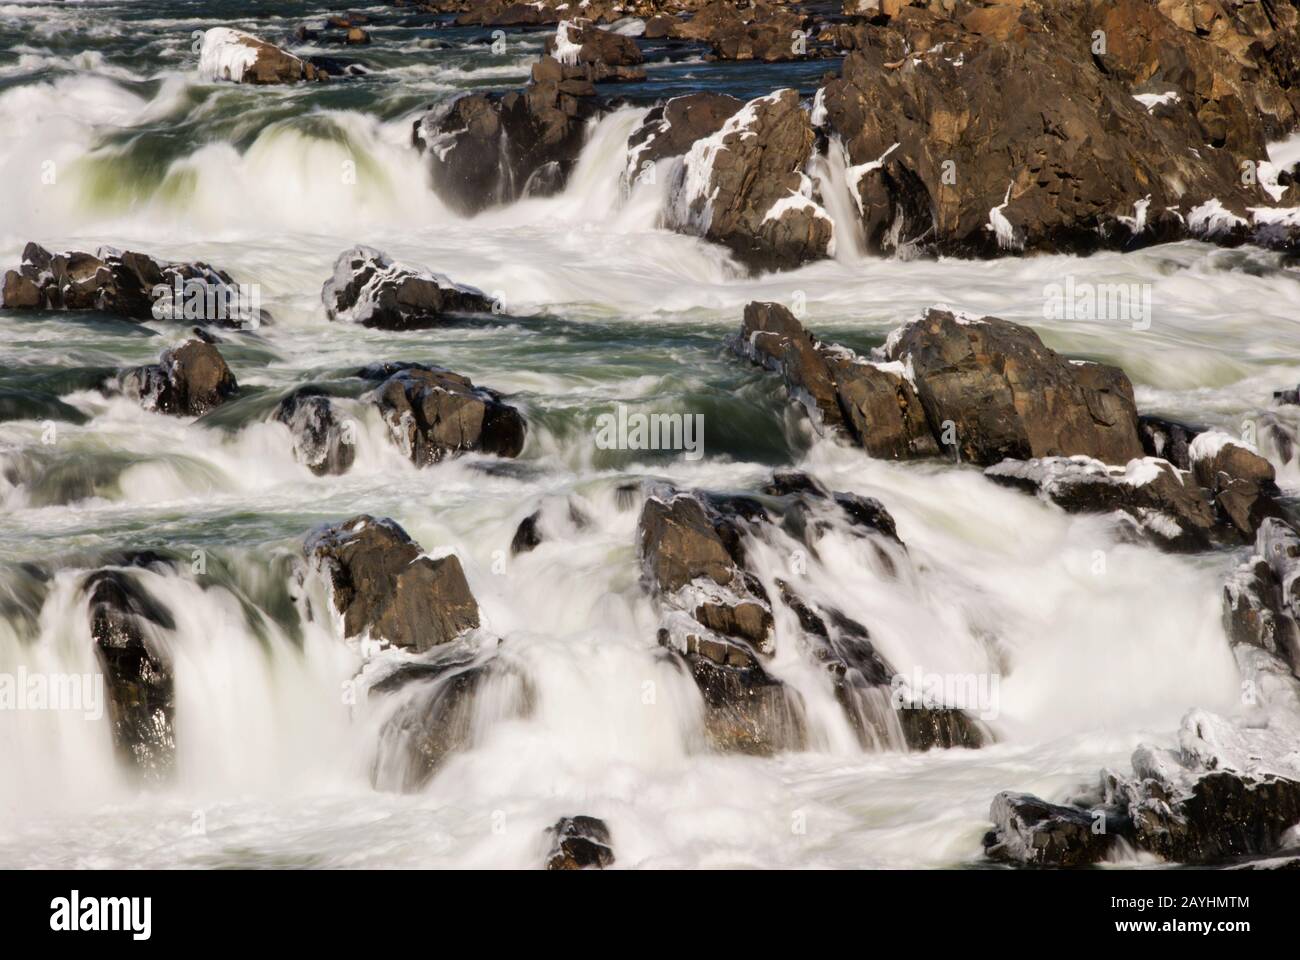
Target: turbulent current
{"x":112,"y":137}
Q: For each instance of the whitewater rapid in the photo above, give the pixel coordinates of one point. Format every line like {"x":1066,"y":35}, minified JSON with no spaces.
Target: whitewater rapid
{"x":603,"y":307}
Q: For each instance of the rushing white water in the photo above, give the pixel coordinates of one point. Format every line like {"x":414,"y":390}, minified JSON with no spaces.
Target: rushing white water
{"x":604,"y":306}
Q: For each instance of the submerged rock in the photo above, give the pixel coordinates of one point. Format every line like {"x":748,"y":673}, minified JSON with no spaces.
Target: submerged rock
{"x":579,"y":843}
{"x":382,"y":584}
{"x":370,"y":289}
{"x":124,"y":625}
{"x":436,"y":705}
{"x":433,"y":413}
{"x":131,"y":285}
{"x":187,"y":381}
{"x":323,"y":439}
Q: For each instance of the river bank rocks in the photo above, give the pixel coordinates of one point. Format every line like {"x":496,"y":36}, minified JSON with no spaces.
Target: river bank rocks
{"x":125,"y":628}
{"x":134,"y":286}
{"x":324,"y":440}
{"x":187,"y":381}
{"x":371,"y":289}
{"x":1225,"y":792}
{"x":238,"y":57}
{"x":579,"y":843}
{"x":745,"y":187}
{"x":720,"y":619}
{"x":433,"y":413}
{"x":945,"y":160}
{"x":384,"y":587}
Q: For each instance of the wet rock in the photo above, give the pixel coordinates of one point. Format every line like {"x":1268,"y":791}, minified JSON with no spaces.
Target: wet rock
{"x":383,"y":586}
{"x":1226,"y":792}
{"x":527,"y":536}
{"x":1031,"y":831}
{"x":433,"y":413}
{"x":124,"y":625}
{"x":579,"y":843}
{"x":240,"y":57}
{"x":745,"y":187}
{"x":719,"y":621}
{"x":1240,"y":481}
{"x":371,"y":289}
{"x":1168,"y":439}
{"x":187,"y":381}
{"x":604,"y":55}
{"x":1166,"y":503}
{"x":436,"y":704}
{"x":768,"y":32}
{"x":323,"y":438}
{"x":672,"y":129}
{"x":994,"y":391}
{"x":489,"y":149}
{"x":131,"y":285}
{"x":873,"y":404}
{"x":947,"y":161}
{"x":1261,"y":600}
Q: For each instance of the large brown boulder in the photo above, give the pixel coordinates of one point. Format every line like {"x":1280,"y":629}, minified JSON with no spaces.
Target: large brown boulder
{"x":382,"y":584}
{"x":745,"y":187}
{"x":433,"y":413}
{"x":607,"y":56}
{"x":240,"y":57}
{"x":371,"y":289}
{"x":187,"y":381}
{"x":991,"y":391}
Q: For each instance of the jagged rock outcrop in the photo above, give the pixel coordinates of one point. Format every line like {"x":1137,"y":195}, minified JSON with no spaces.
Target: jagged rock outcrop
{"x":131,"y":285}
{"x":1005,"y":395}
{"x":579,"y":843}
{"x":373,"y":290}
{"x":383,"y":586}
{"x":745,"y":187}
{"x":874,"y":404}
{"x":323,"y":438}
{"x":187,"y":381}
{"x":1225,"y":792}
{"x":1165,"y":503}
{"x":599,"y":55}
{"x":1168,"y":439}
{"x":433,"y":413}
{"x":945,"y":159}
{"x":125,"y":625}
{"x":719,"y":617}
{"x":1261,"y":600}
{"x":673,"y":128}
{"x":1239,"y":480}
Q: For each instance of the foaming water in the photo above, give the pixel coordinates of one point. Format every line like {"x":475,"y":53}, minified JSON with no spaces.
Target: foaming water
{"x":1098,"y":644}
